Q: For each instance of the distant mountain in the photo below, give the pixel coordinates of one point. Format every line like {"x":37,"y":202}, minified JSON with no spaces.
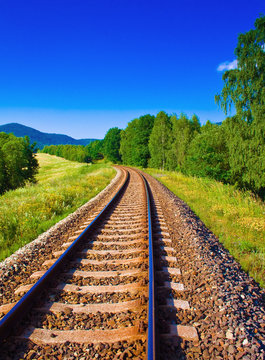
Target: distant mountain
{"x":42,"y":138}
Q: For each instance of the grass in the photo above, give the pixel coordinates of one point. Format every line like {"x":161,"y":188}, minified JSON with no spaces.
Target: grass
{"x":62,"y":187}
{"x":236,"y":217}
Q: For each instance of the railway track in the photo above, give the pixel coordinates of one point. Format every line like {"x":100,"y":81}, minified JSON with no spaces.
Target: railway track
{"x":111,"y":292}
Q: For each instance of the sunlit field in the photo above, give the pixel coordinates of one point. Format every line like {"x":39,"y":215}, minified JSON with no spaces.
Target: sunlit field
{"x":62,"y":186}
{"x":236,"y":217}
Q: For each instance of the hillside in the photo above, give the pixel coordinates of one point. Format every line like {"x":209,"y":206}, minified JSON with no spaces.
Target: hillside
{"x":42,"y":138}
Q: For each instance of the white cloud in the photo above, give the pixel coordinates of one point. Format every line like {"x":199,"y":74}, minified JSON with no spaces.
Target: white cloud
{"x":227,"y":65}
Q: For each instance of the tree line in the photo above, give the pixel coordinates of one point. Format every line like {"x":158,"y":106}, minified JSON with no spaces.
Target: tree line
{"x":18,"y":164}
{"x":233,"y":152}
{"x":169,"y":142}
{"x":109,"y":148}
{"x":80,"y":153}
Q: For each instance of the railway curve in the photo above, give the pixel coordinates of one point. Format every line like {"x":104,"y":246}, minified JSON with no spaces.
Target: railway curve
{"x":105,"y":272}
{"x":124,"y":286}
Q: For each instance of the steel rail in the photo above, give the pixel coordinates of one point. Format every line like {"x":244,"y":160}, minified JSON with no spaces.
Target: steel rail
{"x":151,"y":332}
{"x":18,"y":312}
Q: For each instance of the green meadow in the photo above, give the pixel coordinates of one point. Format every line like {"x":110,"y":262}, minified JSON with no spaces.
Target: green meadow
{"x":236,"y":217}
{"x":62,"y":187}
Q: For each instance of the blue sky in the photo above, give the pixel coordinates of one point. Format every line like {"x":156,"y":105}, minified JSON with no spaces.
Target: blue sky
{"x":81,"y":67}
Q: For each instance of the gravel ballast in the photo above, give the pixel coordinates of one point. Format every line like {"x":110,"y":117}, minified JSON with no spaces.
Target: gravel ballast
{"x":227,"y":306}
{"x":17,"y":268}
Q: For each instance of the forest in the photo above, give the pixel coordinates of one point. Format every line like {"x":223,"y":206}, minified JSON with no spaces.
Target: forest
{"x":18,"y":164}
{"x":233,"y":152}
{"x":109,"y":148}
{"x":80,"y":153}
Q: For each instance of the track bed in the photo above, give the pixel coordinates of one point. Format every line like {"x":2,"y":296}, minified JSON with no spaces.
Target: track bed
{"x":99,"y":304}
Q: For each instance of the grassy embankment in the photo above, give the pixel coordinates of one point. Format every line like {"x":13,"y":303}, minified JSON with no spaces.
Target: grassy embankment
{"x":62,"y":187}
{"x":236,"y":217}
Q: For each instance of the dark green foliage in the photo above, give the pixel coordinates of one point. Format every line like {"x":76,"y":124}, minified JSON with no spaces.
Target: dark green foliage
{"x":95,"y":150}
{"x":183,"y":131}
{"x":126,"y":146}
{"x":17,"y":162}
{"x":207,"y":155}
{"x":233,"y":152}
{"x":245,"y":86}
{"x":245,"y":89}
{"x":134,"y":141}
{"x":3,"y":172}
{"x":111,"y":145}
{"x":31,"y":168}
{"x":159,"y":143}
{"x":246,"y":145}
{"x":78,"y":153}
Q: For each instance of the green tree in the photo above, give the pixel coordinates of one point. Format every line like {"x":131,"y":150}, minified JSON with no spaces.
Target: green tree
{"x":134,"y":141}
{"x":111,"y":145}
{"x":31,"y":169}
{"x":94,"y":150}
{"x":245,"y":89}
{"x":3,"y":173}
{"x":127,"y":143}
{"x":159,"y":142}
{"x":144,"y":127}
{"x":183,"y":131}
{"x":208,"y":154}
{"x":246,"y":145}
{"x":78,"y":153}
{"x":15,"y":162}
{"x":18,"y":164}
{"x":245,"y":86}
